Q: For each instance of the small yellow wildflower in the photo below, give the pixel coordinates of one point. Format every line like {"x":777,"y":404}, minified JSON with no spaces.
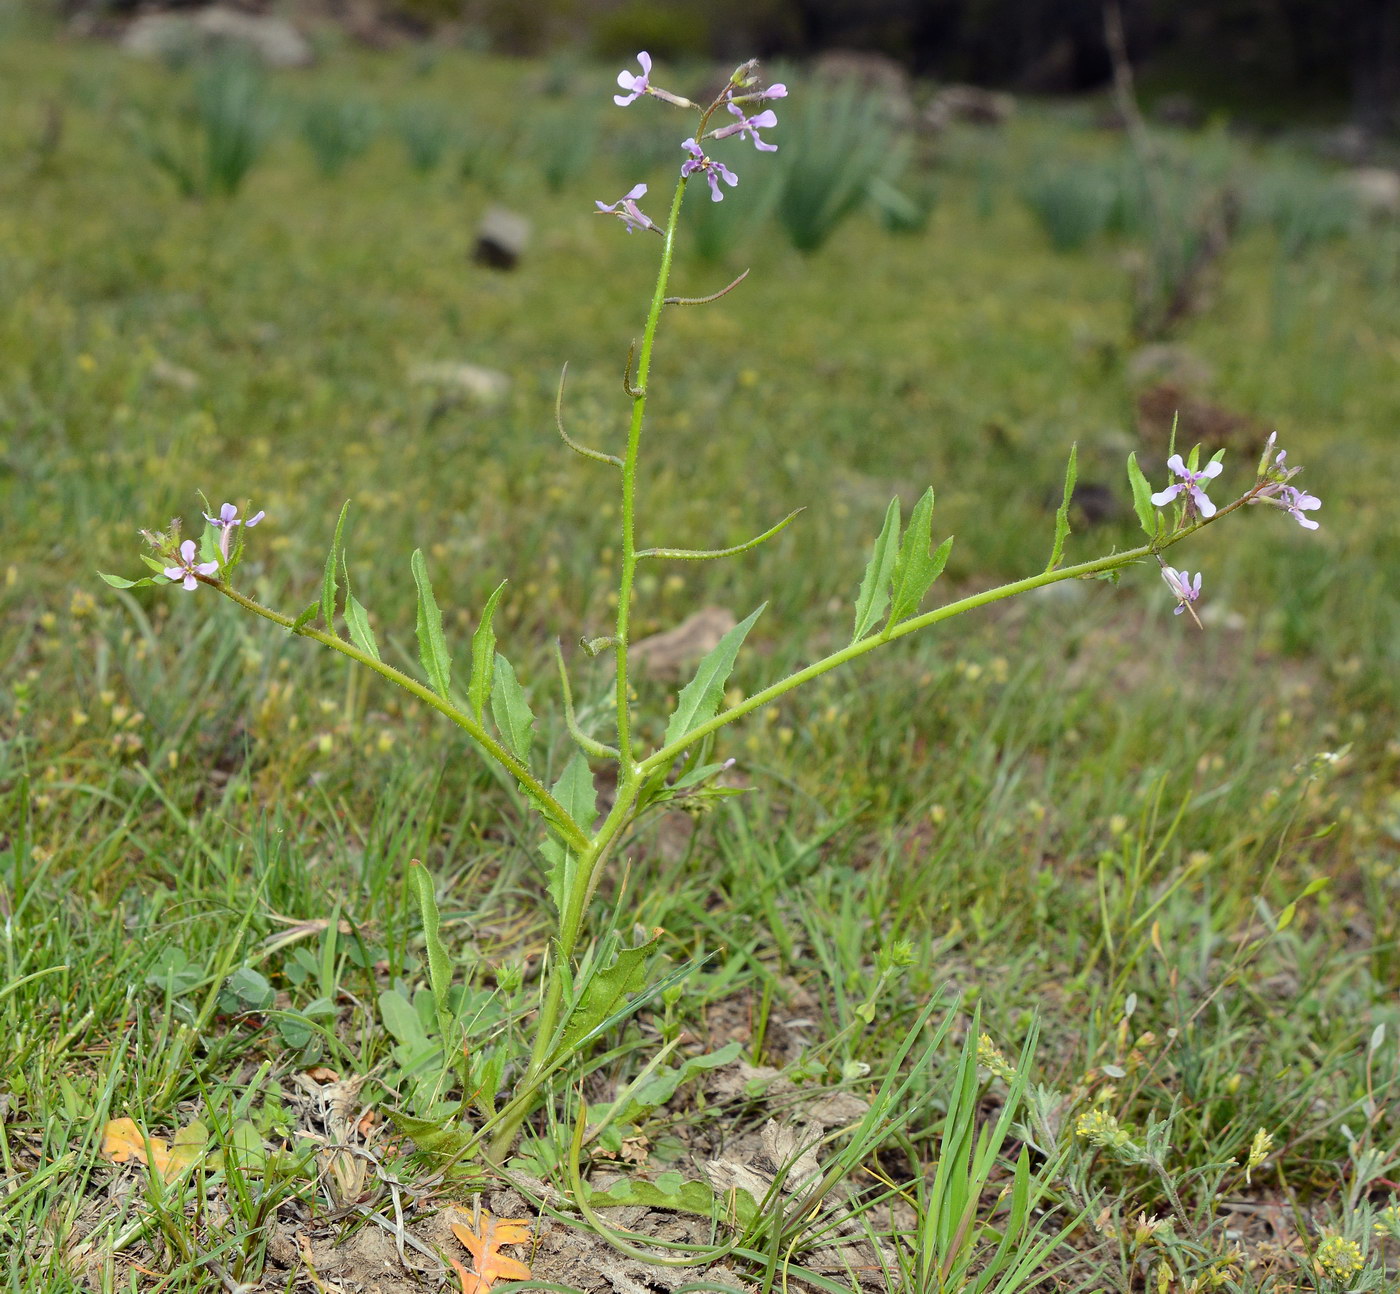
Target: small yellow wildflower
{"x":1258,"y":1152}
{"x":989,"y":1056}
{"x":1338,"y":1258}
{"x":1099,"y":1128}
{"x":1388,"y":1221}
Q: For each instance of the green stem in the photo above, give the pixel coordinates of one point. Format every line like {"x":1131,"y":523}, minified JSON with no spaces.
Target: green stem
{"x":629,"y":477}
{"x":663,"y":757}
{"x":536,"y":789}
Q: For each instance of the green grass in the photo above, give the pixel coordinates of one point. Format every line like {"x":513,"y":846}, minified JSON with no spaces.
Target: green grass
{"x":1078,"y":809}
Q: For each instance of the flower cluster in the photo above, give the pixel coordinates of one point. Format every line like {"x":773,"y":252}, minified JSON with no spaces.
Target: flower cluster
{"x":990,"y":1058}
{"x":1258,"y":1151}
{"x":1273,"y":485}
{"x":738,"y":99}
{"x":1338,"y":1259}
{"x":1101,"y":1129}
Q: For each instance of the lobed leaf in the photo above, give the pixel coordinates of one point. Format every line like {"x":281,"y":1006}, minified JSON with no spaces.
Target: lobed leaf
{"x":699,"y":699}
{"x":118,"y":582}
{"x":604,"y":992}
{"x":874,"y":593}
{"x":915,"y":567}
{"x":432,"y":646}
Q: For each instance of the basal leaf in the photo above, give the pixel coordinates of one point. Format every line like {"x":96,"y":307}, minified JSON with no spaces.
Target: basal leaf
{"x":432,"y":646}
{"x":670,"y":1190}
{"x":604,"y":993}
{"x":699,"y":699}
{"x":514,"y":719}
{"x":874,"y":593}
{"x":439,"y":964}
{"x":483,"y":656}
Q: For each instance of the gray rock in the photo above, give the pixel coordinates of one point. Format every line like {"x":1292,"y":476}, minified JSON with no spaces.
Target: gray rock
{"x":485,"y":385}
{"x":173,"y":36}
{"x":1376,"y":191}
{"x":501,"y":238}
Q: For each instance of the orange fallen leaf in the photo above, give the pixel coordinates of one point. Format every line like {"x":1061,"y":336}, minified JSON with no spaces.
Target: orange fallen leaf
{"x":123,"y":1141}
{"x":483,"y":1242}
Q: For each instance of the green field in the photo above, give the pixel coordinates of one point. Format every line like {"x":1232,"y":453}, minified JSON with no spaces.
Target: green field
{"x":1071,"y":811}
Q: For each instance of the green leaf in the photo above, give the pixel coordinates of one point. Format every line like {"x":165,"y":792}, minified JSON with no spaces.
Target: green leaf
{"x":654,"y":1092}
{"x":603,"y":993}
{"x":1142,"y":498}
{"x":358,"y":621}
{"x":576,"y":792}
{"x":579,"y":798}
{"x":1062,"y":513}
{"x":699,"y":699}
{"x":432,"y":646}
{"x":915,"y":568}
{"x":483,"y":656}
{"x":400,"y":1019}
{"x":117,"y":582}
{"x":511,"y":711}
{"x":670,"y":1190}
{"x":439,"y":964}
{"x":246,"y":990}
{"x":305,"y":618}
{"x":328,"y":584}
{"x":874,"y":593}
{"x":449,"y":1138}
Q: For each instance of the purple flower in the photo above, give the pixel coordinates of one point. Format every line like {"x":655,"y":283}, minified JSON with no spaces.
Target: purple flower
{"x":1183,"y":587}
{"x":1273,"y":486}
{"x":227,"y":519}
{"x":186,"y":571}
{"x":638,"y":85}
{"x":1295,"y":502}
{"x":627,"y":209}
{"x":1190,"y":482}
{"x":749,"y":126}
{"x":713,"y":170}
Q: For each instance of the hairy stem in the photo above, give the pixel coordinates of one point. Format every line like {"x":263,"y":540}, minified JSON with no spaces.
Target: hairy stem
{"x":662,"y":758}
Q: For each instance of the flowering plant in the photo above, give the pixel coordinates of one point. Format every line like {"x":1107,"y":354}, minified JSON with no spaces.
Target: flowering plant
{"x":581,"y":993}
